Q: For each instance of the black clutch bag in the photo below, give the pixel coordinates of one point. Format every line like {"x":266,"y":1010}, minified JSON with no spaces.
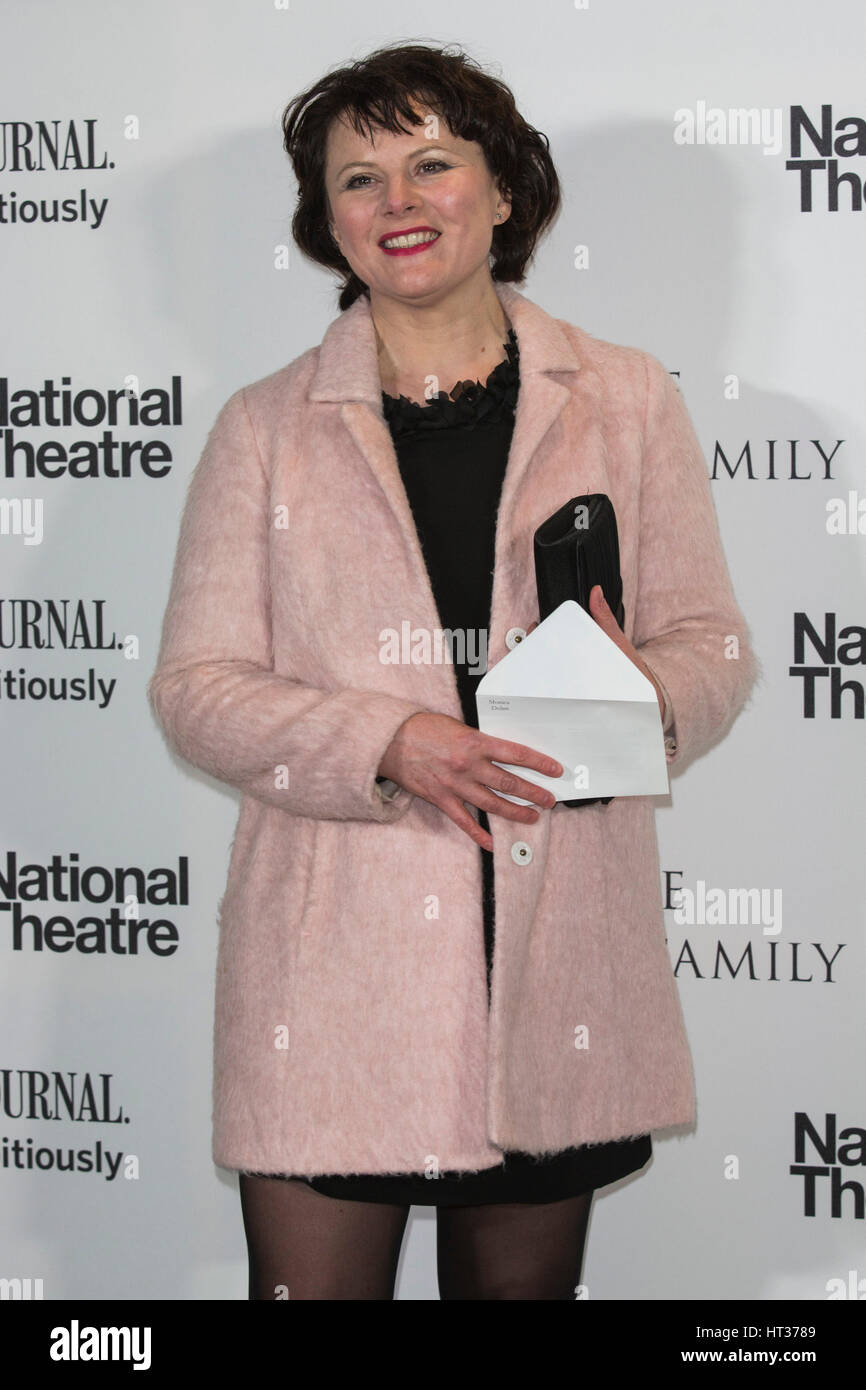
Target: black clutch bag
{"x":575,"y":549}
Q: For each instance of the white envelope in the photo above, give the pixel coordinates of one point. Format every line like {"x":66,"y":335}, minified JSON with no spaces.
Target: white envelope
{"x":568,"y":691}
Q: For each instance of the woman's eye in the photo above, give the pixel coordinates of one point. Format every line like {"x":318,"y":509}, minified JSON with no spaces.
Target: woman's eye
{"x":428,"y":163}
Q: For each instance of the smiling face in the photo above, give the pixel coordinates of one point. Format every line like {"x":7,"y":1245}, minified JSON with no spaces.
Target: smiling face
{"x":426,"y":178}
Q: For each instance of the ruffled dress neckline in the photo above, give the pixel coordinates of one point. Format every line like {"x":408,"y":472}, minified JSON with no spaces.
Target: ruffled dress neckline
{"x":468,"y":403}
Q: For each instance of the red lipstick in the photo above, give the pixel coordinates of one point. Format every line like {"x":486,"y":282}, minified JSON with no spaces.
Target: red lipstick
{"x":408,"y":250}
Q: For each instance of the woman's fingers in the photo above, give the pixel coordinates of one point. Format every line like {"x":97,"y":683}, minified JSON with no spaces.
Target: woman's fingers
{"x":456,"y":811}
{"x":489,"y":801}
{"x":500,"y":780}
{"x":502,"y":750}
{"x":452,"y":802}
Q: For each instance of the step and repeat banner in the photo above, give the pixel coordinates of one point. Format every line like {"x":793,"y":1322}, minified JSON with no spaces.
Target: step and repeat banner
{"x":713,"y":162}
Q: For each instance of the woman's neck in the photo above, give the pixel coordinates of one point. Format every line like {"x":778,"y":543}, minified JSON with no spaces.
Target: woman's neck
{"x":445,"y":342}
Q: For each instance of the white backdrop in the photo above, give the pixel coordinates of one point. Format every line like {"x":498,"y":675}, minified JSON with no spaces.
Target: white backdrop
{"x":700,"y":252}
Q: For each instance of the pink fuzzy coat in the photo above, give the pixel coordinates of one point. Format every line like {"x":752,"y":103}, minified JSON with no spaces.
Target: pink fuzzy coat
{"x":352,"y":1031}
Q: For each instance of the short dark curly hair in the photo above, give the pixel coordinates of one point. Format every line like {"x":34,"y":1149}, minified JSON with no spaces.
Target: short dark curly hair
{"x":379,"y":91}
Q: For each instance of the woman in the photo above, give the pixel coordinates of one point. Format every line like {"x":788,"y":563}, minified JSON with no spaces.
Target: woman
{"x":388,"y":1030}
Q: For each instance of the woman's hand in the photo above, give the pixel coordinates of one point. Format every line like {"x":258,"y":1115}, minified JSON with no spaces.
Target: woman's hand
{"x":447,"y":763}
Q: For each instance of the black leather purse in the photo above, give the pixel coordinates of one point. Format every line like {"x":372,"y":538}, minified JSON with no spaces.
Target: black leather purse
{"x":575,"y":549}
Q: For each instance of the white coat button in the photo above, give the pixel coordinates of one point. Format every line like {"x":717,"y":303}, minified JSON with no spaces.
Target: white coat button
{"x":514,"y":635}
{"x":521,"y":852}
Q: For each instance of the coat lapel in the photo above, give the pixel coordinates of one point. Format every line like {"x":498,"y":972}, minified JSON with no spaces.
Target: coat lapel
{"x":347,"y":371}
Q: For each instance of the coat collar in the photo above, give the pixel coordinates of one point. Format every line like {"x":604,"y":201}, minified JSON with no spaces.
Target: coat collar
{"x":347,"y":371}
{"x":348,"y":368}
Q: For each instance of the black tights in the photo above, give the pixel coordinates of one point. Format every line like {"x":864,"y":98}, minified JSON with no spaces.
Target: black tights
{"x":304,"y":1244}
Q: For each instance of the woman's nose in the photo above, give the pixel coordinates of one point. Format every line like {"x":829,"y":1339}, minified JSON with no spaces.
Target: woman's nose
{"x":399,"y":196}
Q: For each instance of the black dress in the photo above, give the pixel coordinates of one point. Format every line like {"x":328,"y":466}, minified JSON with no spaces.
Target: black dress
{"x":452,"y":454}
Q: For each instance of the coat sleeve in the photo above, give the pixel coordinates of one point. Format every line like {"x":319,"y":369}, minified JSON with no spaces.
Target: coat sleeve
{"x":310,"y":752}
{"x":688,"y":627}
